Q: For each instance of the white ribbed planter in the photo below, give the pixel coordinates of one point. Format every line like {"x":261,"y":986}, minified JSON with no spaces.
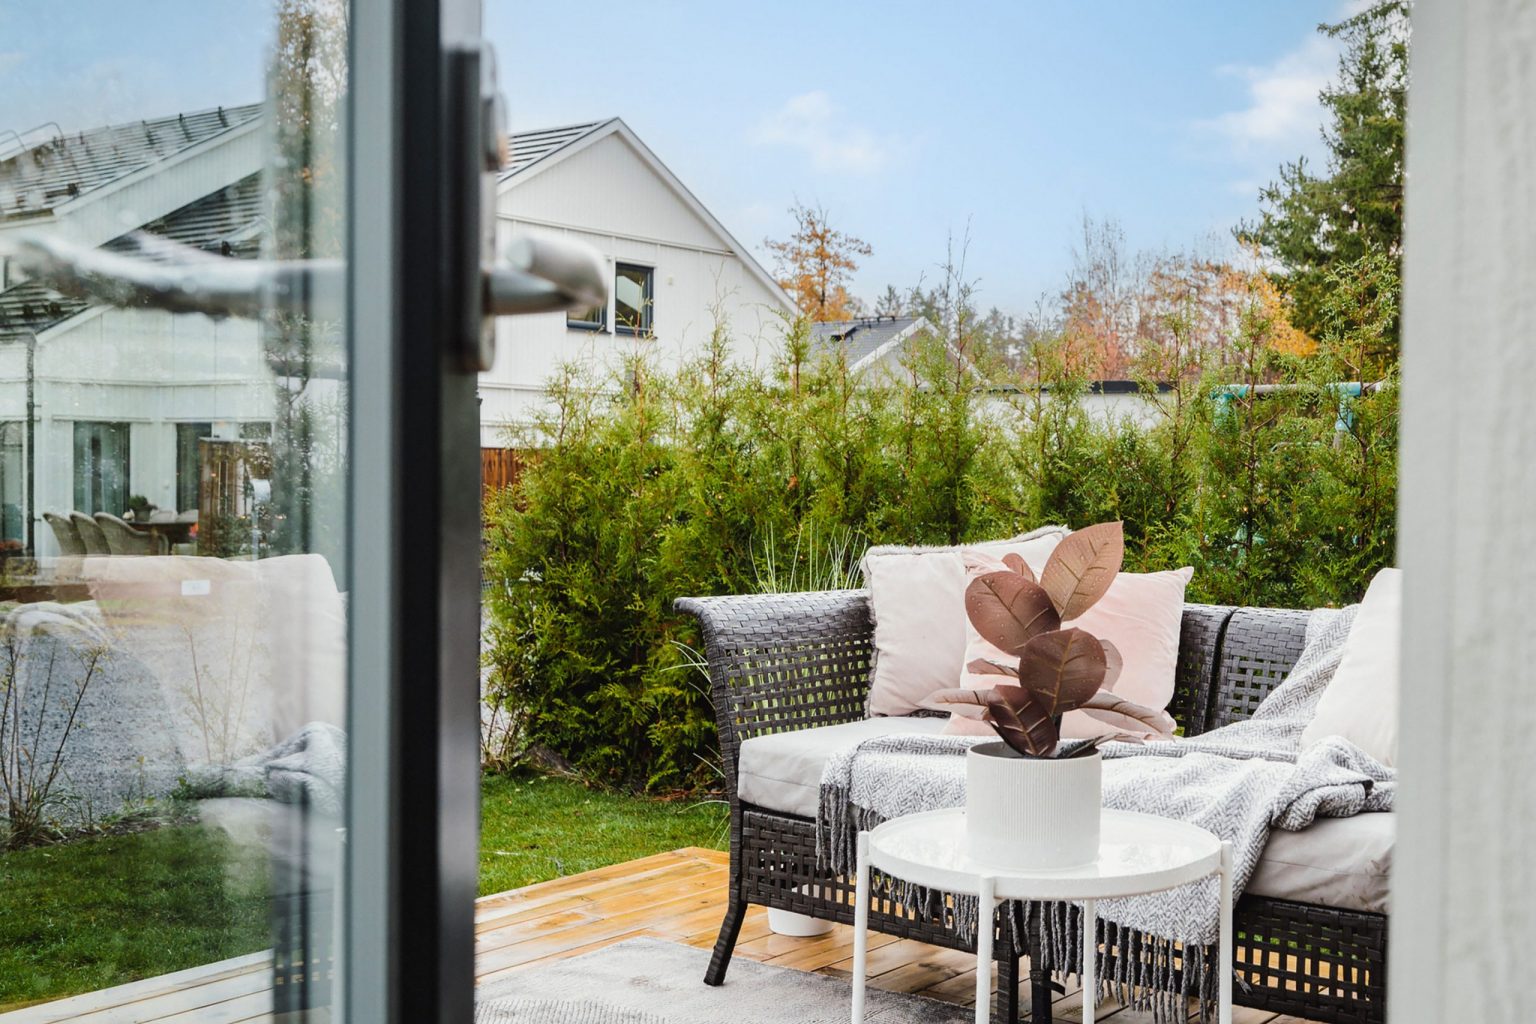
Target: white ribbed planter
{"x":800,"y":926}
{"x":1035,"y":813}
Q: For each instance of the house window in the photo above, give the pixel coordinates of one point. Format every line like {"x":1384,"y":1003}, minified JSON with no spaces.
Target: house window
{"x":189,"y":462}
{"x":593,"y":318}
{"x":13,"y":525}
{"x":633,"y":298}
{"x":101,"y":467}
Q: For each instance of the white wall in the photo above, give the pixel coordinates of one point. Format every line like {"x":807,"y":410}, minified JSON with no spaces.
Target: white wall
{"x":1464,"y":919}
{"x":146,"y":368}
{"x":608,"y":197}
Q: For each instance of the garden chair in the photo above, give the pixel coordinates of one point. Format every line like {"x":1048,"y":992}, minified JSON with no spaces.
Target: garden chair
{"x":65,"y":534}
{"x":94,"y":541}
{"x":123,"y":539}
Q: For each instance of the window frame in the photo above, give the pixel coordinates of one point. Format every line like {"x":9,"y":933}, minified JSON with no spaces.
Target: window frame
{"x":647,"y":324}
{"x":598,"y":326}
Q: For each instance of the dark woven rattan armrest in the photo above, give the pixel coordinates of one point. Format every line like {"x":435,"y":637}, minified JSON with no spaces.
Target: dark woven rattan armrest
{"x":783,"y":661}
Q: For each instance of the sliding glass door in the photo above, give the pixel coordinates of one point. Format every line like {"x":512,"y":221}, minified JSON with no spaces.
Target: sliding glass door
{"x":239,"y":476}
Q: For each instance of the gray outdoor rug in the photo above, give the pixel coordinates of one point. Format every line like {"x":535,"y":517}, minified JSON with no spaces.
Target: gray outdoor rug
{"x":649,"y":981}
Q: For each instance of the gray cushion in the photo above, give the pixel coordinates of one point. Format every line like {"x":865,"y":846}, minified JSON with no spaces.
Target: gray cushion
{"x":782,"y":771}
{"x":1338,"y":862}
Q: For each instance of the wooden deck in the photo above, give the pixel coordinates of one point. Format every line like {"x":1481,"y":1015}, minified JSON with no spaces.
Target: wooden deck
{"x":678,"y":896}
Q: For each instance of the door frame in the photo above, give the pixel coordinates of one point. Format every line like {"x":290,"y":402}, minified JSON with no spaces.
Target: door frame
{"x":413,"y":815}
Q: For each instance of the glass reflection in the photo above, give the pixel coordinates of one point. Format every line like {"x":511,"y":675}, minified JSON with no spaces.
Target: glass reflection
{"x":172,"y":560}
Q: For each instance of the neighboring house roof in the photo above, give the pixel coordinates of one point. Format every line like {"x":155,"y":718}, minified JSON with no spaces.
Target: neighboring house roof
{"x":534,"y":152}
{"x":53,"y":172}
{"x":868,"y":339}
{"x":528,"y":147}
{"x":226,"y":222}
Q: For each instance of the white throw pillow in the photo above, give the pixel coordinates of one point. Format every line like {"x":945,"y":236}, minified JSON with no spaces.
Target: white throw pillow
{"x":917,"y":599}
{"x":1360,"y":703}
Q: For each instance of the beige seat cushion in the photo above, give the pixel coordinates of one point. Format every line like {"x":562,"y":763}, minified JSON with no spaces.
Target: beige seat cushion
{"x":1336,"y":862}
{"x":782,"y":771}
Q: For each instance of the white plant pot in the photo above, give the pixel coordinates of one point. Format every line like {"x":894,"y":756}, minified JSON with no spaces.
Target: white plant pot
{"x":800,"y":926}
{"x":1036,"y":813}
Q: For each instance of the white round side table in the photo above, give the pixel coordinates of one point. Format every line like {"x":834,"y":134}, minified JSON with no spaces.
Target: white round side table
{"x":1138,"y":853}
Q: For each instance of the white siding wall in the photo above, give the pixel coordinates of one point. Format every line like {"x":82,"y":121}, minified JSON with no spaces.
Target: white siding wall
{"x":149,"y":369}
{"x":607,"y":196}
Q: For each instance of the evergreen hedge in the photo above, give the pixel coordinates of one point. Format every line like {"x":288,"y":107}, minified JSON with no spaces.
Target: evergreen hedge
{"x":719,"y":479}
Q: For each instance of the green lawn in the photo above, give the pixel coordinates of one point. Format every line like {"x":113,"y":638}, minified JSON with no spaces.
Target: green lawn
{"x":105,"y":911}
{"x":534,"y":828}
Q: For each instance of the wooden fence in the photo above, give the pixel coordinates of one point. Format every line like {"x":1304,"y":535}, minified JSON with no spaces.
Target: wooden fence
{"x":499,"y":467}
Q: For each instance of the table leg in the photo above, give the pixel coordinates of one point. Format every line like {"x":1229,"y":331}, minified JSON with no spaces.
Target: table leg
{"x":1089,"y":973}
{"x":986,"y":907}
{"x":861,"y":929}
{"x":1224,"y":957}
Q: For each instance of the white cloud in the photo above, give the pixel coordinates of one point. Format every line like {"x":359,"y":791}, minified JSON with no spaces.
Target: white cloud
{"x":1283,"y":113}
{"x":814,"y":125}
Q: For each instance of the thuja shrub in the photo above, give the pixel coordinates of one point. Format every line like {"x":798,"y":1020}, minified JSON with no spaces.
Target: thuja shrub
{"x":1271,"y":475}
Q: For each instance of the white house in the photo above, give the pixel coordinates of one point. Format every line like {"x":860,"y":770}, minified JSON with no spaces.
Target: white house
{"x":127,"y":394}
{"x":677,"y":271}
{"x":124,"y":397}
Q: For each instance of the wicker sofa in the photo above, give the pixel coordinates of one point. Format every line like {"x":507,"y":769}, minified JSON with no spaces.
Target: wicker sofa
{"x":787,"y":662}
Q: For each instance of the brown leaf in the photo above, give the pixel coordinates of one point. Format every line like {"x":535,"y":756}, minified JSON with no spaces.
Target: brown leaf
{"x":1114,"y":664}
{"x":962,"y":701}
{"x":983,"y":667}
{"x":1063,"y":669}
{"x":1126,"y":714}
{"x":1015,"y":561}
{"x":1022,"y":721}
{"x":1089,"y":746}
{"x":1007,"y":610}
{"x":1082,"y":567}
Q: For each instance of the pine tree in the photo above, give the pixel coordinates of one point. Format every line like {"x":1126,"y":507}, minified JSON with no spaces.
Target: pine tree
{"x":1311,"y":223}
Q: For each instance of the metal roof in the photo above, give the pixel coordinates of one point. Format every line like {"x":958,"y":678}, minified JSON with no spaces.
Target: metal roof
{"x":532,"y":146}
{"x":861,"y":338}
{"x":57,"y":170}
{"x":226,"y":222}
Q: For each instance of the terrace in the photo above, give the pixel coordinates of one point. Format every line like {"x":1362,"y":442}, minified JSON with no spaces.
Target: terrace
{"x":678,"y":896}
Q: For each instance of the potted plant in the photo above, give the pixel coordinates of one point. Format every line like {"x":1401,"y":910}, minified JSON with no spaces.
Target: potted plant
{"x":1033,"y":800}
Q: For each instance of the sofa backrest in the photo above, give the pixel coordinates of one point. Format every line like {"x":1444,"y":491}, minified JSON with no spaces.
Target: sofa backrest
{"x":1230,"y":659}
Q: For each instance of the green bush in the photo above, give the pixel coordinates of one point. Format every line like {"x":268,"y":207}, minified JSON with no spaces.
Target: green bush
{"x":718,"y":479}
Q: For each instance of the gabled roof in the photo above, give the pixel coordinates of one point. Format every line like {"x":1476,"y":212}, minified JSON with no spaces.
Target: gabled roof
{"x":528,"y":147}
{"x":534,"y":152}
{"x":225,"y":223}
{"x":58,"y":170}
{"x":866,"y":339}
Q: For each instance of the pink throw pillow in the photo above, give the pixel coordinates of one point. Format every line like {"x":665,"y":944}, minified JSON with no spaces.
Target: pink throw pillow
{"x":1142,"y":614}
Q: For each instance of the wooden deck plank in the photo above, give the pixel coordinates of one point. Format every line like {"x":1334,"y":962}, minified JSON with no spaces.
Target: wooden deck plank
{"x":678,"y":896}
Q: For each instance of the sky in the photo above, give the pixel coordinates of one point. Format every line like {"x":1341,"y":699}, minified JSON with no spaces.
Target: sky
{"x":911,"y":123}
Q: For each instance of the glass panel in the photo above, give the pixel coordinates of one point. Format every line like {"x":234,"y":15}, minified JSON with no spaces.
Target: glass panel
{"x":189,"y":462}
{"x":594,"y":318}
{"x":13,"y":530}
{"x":173,"y":618}
{"x":101,"y":467}
{"x":632,"y":299}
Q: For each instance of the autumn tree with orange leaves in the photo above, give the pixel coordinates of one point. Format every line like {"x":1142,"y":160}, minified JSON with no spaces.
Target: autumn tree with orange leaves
{"x":816,"y":263}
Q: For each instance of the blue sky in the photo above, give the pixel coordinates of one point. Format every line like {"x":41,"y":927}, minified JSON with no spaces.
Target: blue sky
{"x":907,"y":121}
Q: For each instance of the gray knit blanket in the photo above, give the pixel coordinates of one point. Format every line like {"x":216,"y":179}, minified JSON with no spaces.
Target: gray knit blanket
{"x":1239,"y":782}
{"x":308,"y":768}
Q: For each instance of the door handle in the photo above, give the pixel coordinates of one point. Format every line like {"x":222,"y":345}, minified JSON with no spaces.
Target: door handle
{"x":534,"y":275}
